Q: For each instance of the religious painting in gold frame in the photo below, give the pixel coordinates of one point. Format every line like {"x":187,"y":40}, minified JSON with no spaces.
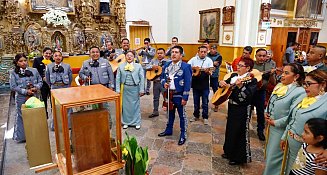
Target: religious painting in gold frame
{"x":287,"y":5}
{"x":209,"y":25}
{"x":42,"y":6}
{"x":228,"y":15}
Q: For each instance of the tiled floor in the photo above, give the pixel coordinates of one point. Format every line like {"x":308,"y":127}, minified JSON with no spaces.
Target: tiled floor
{"x":200,"y":155}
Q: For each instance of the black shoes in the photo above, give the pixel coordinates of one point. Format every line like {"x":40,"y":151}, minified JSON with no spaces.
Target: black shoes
{"x":147,"y":93}
{"x":224,"y":156}
{"x":261,"y":136}
{"x":181,"y":141}
{"x":233,"y":163}
{"x":153,"y":115}
{"x":164,"y":134}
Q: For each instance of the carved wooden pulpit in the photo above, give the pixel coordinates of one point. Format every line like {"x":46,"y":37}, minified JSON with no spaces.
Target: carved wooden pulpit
{"x":87,"y":142}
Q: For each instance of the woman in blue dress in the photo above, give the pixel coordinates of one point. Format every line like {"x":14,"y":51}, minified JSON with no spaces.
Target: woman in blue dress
{"x":312,"y":105}
{"x":276,"y":114}
{"x":130,"y":84}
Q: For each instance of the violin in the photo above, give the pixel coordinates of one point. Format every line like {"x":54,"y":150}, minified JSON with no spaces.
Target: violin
{"x":165,"y":102}
{"x":168,"y":100}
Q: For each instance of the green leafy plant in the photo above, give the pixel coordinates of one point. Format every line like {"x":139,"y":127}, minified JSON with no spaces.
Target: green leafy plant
{"x":136,"y":157}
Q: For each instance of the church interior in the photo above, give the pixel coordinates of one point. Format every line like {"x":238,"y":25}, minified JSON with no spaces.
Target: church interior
{"x":75,"y":27}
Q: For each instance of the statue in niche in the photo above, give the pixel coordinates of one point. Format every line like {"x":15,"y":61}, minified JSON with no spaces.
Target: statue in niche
{"x":265,"y":11}
{"x":79,"y":40}
{"x":105,"y":7}
{"x":58,"y":41}
{"x":32,"y":39}
{"x":104,"y":38}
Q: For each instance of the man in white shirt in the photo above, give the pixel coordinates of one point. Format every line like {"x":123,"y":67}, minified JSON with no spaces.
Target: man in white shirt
{"x":200,"y":83}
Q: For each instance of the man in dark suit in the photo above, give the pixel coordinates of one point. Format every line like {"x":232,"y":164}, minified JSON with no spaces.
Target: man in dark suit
{"x":40,"y":64}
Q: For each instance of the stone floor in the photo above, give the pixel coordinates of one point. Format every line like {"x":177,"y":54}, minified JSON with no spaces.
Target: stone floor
{"x":200,"y":155}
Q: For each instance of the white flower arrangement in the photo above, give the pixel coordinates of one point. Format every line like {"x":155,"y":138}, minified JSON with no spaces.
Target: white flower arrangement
{"x":56,"y":17}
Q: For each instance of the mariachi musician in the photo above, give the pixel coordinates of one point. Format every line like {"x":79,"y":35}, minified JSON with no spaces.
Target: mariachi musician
{"x":157,"y":88}
{"x":147,"y":52}
{"x":59,"y":75}
{"x":24,"y":81}
{"x":200,"y":83}
{"x":237,"y":140}
{"x":40,"y":64}
{"x":97,"y":70}
{"x":125,"y":48}
{"x":259,"y":97}
{"x":108,"y":52}
{"x":176,"y":78}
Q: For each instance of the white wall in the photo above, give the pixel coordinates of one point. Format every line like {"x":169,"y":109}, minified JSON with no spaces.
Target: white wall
{"x":323,"y":32}
{"x":170,"y":18}
{"x":190,"y":22}
{"x":154,"y":11}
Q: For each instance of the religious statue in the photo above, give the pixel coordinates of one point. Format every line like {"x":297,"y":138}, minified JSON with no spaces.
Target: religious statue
{"x":265,"y":11}
{"x":31,"y":38}
{"x":58,"y":41}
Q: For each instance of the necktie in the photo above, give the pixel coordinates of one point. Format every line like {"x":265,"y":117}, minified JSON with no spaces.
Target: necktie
{"x":280,"y":90}
{"x":306,"y":102}
{"x":129,"y":67}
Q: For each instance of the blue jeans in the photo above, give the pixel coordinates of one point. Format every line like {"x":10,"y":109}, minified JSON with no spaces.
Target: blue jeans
{"x":196,"y":97}
{"x":258,"y":101}
{"x":214,"y":83}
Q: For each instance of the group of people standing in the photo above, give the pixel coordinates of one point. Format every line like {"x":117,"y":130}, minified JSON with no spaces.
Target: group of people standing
{"x":296,"y":102}
{"x":293,"y":108}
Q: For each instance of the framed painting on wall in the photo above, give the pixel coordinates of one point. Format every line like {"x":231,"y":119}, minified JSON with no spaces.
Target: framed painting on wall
{"x":261,"y":40}
{"x":42,"y":6}
{"x":209,"y":25}
{"x":286,"y":5}
{"x":228,"y":37}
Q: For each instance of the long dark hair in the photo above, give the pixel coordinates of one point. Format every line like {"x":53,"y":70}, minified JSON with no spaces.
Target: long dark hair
{"x":297,"y":69}
{"x":318,"y":127}
{"x":15,"y":62}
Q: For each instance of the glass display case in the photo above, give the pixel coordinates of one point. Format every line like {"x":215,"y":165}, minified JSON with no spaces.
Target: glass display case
{"x":87,"y":130}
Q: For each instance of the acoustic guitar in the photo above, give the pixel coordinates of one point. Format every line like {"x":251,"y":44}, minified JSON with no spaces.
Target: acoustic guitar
{"x":222,"y":94}
{"x":197,"y":70}
{"x":117,"y":61}
{"x":154,"y":73}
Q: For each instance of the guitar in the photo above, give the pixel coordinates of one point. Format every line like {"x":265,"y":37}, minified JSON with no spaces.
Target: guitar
{"x":222,"y":94}
{"x":117,"y":61}
{"x":154,"y":73}
{"x":196,"y":70}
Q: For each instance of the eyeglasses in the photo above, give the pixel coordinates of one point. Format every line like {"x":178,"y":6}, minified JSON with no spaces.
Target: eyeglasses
{"x":240,"y":65}
{"x":146,"y":42}
{"x":308,"y":83}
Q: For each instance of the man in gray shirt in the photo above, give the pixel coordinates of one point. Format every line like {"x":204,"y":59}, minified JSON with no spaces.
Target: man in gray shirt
{"x":147,"y":53}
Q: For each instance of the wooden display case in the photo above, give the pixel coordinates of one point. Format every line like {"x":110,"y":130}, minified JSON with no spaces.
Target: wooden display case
{"x":91,"y":144}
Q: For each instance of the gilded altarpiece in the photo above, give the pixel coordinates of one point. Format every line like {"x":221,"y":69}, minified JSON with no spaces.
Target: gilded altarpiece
{"x":23,"y":31}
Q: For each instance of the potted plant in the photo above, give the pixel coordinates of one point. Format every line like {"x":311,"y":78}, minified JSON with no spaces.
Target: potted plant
{"x":136,"y":157}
